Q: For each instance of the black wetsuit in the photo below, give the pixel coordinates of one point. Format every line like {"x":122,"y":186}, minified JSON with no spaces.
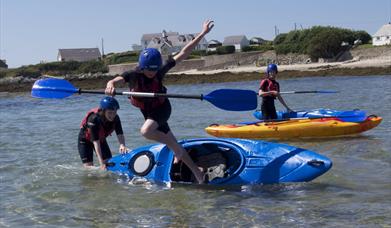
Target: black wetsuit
{"x":268,"y":108}
{"x":94,"y":125}
{"x":159,"y":113}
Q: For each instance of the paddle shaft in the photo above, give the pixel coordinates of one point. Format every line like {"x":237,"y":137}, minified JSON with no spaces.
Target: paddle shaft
{"x":226,"y":99}
{"x":311,"y":91}
{"x":141,"y":94}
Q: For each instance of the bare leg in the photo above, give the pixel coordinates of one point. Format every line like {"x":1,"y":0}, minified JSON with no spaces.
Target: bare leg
{"x":149,"y":131}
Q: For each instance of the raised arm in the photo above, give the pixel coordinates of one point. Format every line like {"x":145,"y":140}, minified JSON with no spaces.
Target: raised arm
{"x":185,"y":52}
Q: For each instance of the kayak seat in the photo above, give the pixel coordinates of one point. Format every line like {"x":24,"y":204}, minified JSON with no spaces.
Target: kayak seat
{"x":215,"y":161}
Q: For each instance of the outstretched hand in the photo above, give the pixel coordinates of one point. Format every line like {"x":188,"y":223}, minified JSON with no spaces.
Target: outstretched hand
{"x":207,"y":26}
{"x":123,"y":149}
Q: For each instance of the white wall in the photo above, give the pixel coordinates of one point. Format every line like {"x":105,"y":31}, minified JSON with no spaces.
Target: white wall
{"x":382,"y":40}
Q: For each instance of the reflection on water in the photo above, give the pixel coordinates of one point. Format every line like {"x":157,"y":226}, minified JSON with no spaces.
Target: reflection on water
{"x":44,"y":184}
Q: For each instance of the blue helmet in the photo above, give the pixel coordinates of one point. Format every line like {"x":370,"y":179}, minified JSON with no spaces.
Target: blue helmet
{"x":109,"y":103}
{"x":271,"y":67}
{"x":150,"y":59}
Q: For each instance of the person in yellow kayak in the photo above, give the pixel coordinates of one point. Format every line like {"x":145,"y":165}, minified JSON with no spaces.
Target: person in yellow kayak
{"x":99,"y":123}
{"x":269,"y":90}
{"x":148,"y":77}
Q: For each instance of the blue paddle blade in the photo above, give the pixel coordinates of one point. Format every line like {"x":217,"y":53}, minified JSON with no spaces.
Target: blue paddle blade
{"x":52,"y":88}
{"x":233,"y":99}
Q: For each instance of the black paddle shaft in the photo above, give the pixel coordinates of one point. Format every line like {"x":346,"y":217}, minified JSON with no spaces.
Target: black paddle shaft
{"x":140,"y":94}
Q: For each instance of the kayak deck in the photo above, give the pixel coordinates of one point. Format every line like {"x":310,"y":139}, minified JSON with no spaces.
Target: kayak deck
{"x":294,"y":128}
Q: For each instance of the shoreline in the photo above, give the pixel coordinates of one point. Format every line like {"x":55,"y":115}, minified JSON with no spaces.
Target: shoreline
{"x":371,"y":67}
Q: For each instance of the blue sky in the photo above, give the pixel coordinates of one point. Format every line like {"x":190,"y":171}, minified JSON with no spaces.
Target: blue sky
{"x":33,"y":31}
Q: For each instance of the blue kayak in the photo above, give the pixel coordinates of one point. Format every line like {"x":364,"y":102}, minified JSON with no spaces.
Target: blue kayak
{"x":346,"y":116}
{"x":224,"y":161}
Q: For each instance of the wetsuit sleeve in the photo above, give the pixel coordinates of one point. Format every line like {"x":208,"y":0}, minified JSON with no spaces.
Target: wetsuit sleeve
{"x":118,"y":126}
{"x":93,"y":125}
{"x":169,"y":64}
{"x":278,"y":86}
{"x":129,"y":76}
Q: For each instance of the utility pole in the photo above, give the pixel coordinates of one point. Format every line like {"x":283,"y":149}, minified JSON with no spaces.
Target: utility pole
{"x":103,"y":51}
{"x":295,"y":26}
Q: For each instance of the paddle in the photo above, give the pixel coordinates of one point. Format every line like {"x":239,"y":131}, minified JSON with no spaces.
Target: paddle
{"x":354,"y":119}
{"x":347,"y":116}
{"x":226,"y":99}
{"x":311,"y":91}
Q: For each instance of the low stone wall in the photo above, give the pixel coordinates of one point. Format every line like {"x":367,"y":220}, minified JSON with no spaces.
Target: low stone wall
{"x":214,"y":62}
{"x":120,"y":68}
{"x":371,"y":53}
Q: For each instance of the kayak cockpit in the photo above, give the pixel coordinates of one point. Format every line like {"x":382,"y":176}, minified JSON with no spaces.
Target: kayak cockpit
{"x":218,"y":162}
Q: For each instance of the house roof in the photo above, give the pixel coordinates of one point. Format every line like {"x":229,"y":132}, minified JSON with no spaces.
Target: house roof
{"x":233,"y":39}
{"x":79,"y":54}
{"x":214,"y":42}
{"x":385,"y":30}
{"x":150,"y":36}
{"x":257,"y":39}
{"x":173,"y":40}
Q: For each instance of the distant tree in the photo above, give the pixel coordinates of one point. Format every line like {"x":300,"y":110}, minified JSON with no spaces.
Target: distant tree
{"x":325,"y":44}
{"x":222,"y":50}
{"x":363,"y":36}
{"x":318,"y":41}
{"x":280,"y":38}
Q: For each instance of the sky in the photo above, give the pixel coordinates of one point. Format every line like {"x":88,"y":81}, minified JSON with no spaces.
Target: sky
{"x":32,"y":31}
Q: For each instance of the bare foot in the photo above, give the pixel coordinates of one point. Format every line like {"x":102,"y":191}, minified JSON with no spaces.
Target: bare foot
{"x":176,"y":160}
{"x":200,"y":176}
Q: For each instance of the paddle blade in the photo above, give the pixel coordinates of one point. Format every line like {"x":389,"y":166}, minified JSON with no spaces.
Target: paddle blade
{"x":233,"y":99}
{"x":52,"y":88}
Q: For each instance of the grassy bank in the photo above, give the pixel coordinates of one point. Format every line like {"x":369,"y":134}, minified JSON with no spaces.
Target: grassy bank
{"x":100,"y":82}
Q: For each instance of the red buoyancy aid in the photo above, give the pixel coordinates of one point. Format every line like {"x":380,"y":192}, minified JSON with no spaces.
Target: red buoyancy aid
{"x":271,"y":86}
{"x":102,"y":132}
{"x":155,"y":87}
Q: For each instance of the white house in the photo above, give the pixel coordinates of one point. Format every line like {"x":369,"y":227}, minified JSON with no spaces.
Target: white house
{"x":239,"y":42}
{"x":257,"y":41}
{"x":213,"y":44}
{"x":382,"y":36}
{"x":171,"y":42}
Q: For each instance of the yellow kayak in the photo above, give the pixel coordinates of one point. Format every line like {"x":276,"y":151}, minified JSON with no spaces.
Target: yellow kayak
{"x":294,"y":128}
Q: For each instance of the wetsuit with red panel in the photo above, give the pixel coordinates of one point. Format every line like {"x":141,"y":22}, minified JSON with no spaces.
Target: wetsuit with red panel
{"x":93,"y":128}
{"x":268,"y":108}
{"x":159,"y":108}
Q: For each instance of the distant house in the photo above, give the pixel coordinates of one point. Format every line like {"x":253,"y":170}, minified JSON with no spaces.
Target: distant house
{"x":171,"y":42}
{"x":239,"y":42}
{"x":137,"y":47}
{"x":78,"y":54}
{"x":257,"y":41}
{"x":382,"y":36}
{"x":3,"y":64}
{"x":213,"y":44}
{"x":146,"y":38}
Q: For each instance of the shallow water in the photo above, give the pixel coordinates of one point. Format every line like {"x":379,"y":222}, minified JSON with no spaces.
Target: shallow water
{"x":44,"y":185}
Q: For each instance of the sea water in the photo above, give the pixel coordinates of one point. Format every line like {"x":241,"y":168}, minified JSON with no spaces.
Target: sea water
{"x":43,"y":184}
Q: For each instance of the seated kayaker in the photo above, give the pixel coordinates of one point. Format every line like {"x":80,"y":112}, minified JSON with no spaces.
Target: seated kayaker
{"x":99,"y":123}
{"x":269,"y":90}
